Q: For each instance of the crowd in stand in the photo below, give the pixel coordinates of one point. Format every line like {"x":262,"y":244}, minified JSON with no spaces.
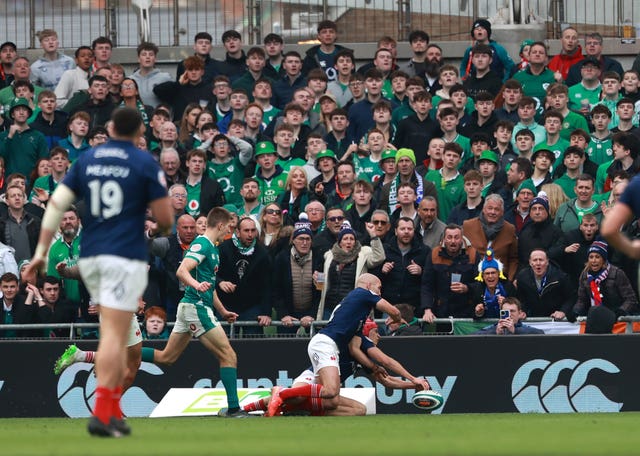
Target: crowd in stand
{"x":458,"y":187}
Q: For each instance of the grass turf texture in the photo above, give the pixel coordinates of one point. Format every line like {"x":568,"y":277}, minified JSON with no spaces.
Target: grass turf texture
{"x":477,"y":434}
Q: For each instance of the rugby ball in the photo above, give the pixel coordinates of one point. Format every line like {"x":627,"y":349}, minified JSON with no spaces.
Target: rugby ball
{"x":428,"y":400}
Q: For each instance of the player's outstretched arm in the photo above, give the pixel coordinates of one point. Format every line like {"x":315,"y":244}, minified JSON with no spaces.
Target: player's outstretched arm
{"x":391,"y":364}
{"x":396,"y":383}
{"x":385,"y":306}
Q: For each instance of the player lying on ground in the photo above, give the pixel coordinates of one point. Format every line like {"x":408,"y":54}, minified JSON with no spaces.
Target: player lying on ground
{"x":363,"y":351}
{"x":324,"y":348}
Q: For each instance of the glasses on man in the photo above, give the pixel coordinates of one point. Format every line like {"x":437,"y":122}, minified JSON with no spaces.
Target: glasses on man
{"x":379,"y":222}
{"x":180,"y":196}
{"x":273,"y":211}
{"x":337,"y":218}
{"x":314,"y":210}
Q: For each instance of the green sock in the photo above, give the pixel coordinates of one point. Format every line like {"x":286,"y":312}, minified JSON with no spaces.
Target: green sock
{"x":147,"y":354}
{"x":229,"y":377}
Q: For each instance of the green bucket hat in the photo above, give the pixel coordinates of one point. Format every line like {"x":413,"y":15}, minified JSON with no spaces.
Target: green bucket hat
{"x":265,"y":147}
{"x":489,"y":155}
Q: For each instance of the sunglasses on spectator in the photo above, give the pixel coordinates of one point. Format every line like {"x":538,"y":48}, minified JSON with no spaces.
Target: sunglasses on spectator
{"x":273,"y":211}
{"x":336,"y":219}
{"x":379,"y":222}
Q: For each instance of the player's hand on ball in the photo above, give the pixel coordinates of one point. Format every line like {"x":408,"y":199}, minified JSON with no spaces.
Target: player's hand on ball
{"x":421,"y":384}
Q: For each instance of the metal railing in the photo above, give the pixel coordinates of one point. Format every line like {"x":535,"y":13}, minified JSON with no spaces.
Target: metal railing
{"x":75,"y":329}
{"x":175,"y":22}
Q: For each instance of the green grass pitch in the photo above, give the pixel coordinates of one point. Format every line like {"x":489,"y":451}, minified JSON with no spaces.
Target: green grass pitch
{"x":402,"y":435}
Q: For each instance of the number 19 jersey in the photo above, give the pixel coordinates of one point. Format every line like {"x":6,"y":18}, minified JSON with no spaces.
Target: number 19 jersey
{"x":117,"y":182}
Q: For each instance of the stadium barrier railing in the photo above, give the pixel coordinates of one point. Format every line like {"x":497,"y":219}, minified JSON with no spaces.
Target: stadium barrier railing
{"x":76,"y":330}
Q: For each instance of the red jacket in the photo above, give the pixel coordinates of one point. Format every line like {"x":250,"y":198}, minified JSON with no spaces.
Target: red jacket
{"x":562,"y":62}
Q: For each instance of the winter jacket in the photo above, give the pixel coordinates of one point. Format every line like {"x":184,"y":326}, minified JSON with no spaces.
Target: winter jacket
{"x":398,"y":285}
{"x":369,"y":258}
{"x":617,"y":293}
{"x":435,"y":293}
{"x":556,"y":294}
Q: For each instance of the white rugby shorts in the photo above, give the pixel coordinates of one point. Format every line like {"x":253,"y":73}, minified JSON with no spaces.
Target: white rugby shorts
{"x":113,"y":281}
{"x":323,"y":352}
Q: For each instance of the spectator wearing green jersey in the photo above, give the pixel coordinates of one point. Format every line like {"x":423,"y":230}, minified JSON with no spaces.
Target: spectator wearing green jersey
{"x":552,"y":122}
{"x":44,"y":186}
{"x":228,"y":169}
{"x":558,"y":99}
{"x":569,"y":215}
{"x":270,"y":176}
{"x":64,"y":253}
{"x":536,"y":77}
{"x":600,"y":147}
{"x":448,"y":181}
{"x":572,"y":159}
{"x":586,"y":93}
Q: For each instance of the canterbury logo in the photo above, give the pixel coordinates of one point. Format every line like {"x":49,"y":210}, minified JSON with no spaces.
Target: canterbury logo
{"x":550,"y":397}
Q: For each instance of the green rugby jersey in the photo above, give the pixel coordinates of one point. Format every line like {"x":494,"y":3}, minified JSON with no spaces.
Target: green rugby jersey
{"x":205,"y":253}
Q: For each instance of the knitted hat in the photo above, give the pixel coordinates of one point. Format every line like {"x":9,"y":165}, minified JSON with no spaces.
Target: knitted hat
{"x":601,"y":248}
{"x":302,"y":226}
{"x":488,"y":262}
{"x":541,"y":199}
{"x":527,"y":184}
{"x":485,"y":24}
{"x":405,"y":153}
{"x":368,"y":326}
{"x":345,"y":229}
{"x":265,"y":147}
{"x":525,"y":43}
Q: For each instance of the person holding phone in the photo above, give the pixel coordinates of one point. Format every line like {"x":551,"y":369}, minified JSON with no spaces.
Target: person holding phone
{"x":510,"y":323}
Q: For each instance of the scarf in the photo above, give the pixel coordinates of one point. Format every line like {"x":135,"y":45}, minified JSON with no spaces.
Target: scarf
{"x":595,"y":278}
{"x":141,"y":110}
{"x":491,"y":230}
{"x":341,"y":257}
{"x":300,"y":259}
{"x":492,"y":307}
{"x":393,"y":191}
{"x":246,"y":251}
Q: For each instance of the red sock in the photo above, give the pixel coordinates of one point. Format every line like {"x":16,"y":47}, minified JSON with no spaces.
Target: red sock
{"x":115,"y":404}
{"x":301,"y":391}
{"x":316,"y":406}
{"x":89,"y":356}
{"x":103,"y":408}
{"x":310,"y":404}
{"x":257,"y":405}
